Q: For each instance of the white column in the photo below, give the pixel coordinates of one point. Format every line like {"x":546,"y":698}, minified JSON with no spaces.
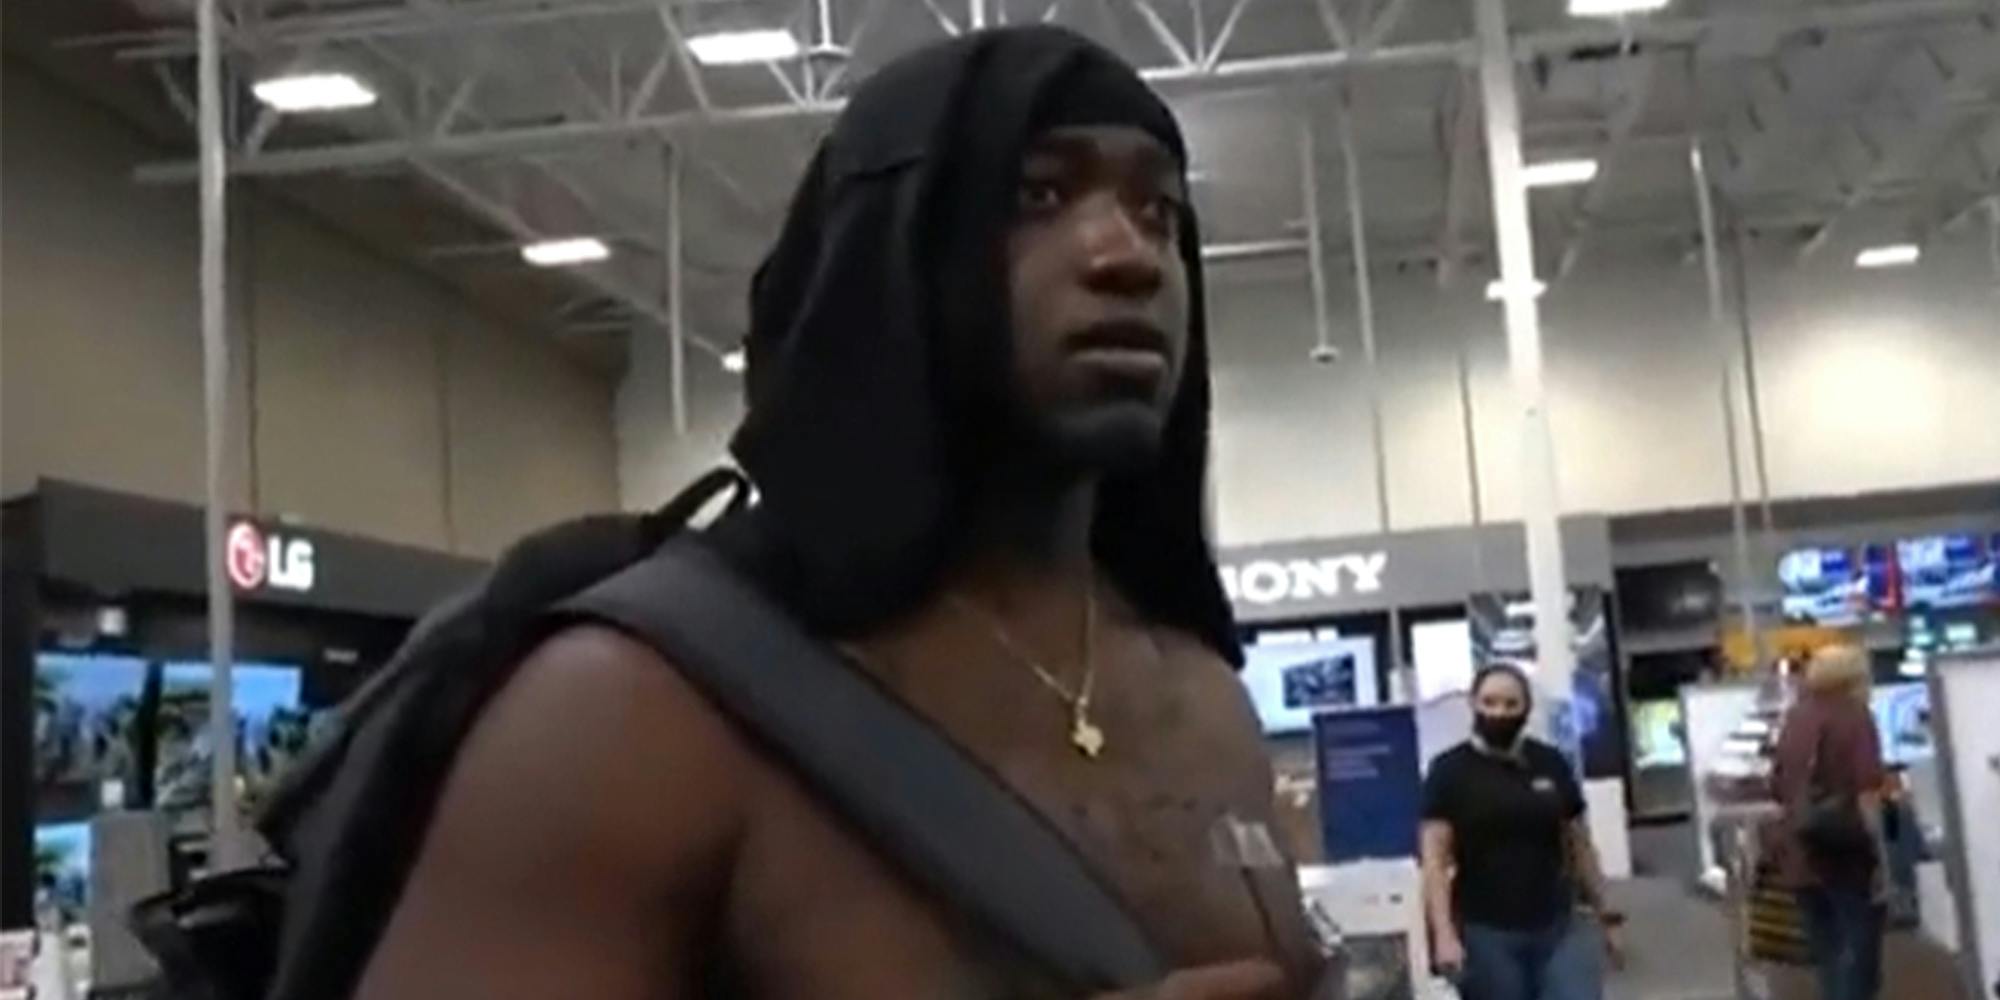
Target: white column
{"x":1519,"y":291}
{"x":225,"y":848}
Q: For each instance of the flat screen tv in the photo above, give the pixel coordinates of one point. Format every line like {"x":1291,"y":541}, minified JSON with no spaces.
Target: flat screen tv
{"x":1826,"y":585}
{"x":271,"y":729}
{"x":87,"y":716}
{"x":1288,"y":682}
{"x":1945,"y":571}
{"x":1903,"y":720}
{"x":1441,"y":653}
{"x":1658,"y":737}
{"x":1670,"y":596}
{"x":62,"y":867}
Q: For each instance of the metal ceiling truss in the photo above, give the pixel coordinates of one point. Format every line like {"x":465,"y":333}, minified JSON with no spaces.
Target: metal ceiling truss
{"x":1193,"y":71}
{"x":438,"y":120}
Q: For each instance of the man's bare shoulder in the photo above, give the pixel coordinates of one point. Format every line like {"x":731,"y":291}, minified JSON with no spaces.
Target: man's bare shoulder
{"x":597,"y":745}
{"x":587,"y":827}
{"x":607,"y":717}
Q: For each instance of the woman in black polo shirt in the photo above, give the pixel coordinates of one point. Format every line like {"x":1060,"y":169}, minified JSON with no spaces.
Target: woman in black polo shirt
{"x":1508,"y":860}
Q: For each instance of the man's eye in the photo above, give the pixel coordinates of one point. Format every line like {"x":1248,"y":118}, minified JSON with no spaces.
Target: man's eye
{"x":1040,"y":195}
{"x":1162,"y":212}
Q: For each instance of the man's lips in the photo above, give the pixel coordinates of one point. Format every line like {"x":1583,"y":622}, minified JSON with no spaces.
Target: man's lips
{"x":1127,"y":350}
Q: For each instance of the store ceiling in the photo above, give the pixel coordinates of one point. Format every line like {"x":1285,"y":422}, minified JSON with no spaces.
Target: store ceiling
{"x":501,"y":120}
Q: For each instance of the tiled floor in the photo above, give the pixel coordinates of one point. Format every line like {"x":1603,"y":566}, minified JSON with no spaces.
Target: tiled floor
{"x":1677,"y":948}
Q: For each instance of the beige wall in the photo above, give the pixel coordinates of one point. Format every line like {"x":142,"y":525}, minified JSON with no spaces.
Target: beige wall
{"x":370,"y":400}
{"x":1870,"y":381}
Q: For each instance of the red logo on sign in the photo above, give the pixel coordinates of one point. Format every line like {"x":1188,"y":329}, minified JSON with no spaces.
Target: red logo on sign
{"x":244,"y":556}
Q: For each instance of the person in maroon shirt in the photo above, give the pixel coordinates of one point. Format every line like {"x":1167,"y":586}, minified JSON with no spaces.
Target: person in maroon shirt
{"x":1829,"y":745}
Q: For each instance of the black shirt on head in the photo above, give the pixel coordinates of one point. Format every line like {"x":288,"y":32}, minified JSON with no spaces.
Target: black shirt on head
{"x":1507,"y":816}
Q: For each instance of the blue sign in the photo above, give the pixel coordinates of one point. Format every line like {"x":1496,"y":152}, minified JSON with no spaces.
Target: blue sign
{"x":1370,"y":790}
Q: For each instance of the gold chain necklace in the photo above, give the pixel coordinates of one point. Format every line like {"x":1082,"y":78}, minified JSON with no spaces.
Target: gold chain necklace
{"x":1084,"y":734}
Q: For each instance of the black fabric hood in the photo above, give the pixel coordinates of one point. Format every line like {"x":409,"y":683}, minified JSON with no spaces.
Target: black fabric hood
{"x":879,"y":333}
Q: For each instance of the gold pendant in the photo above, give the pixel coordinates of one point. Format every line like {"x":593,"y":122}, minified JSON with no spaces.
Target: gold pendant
{"x":1088,"y":739}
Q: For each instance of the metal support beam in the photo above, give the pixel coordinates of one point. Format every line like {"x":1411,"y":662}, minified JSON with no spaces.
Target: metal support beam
{"x":684,"y":57}
{"x":1385,"y":24}
{"x":1336,"y":28}
{"x":226,"y":851}
{"x":177,"y":95}
{"x":1725,"y":350}
{"x":1461,"y":152}
{"x":1163,"y":34}
{"x":1315,"y":239}
{"x":1224,"y":253}
{"x":1364,"y":306}
{"x":267,"y":122}
{"x":1540,"y":508}
{"x":1617,"y":142}
{"x":793,"y":94}
{"x":641,"y":302}
{"x":1224,"y":76}
{"x":944,"y":20}
{"x":676,"y":301}
{"x":454,"y":106}
{"x":1229,"y":22}
{"x":1993,"y":238}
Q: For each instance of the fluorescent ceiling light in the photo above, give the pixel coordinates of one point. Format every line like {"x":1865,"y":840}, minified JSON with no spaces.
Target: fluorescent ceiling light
{"x":736,"y":362}
{"x":1893,"y":255}
{"x":729,"y":48}
{"x":1556,"y":173}
{"x":313,"y":92}
{"x":1497,"y":292}
{"x":1613,"y":8}
{"x":561,"y":253}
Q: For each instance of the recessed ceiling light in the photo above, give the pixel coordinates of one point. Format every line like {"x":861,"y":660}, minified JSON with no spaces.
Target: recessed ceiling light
{"x":1892,"y":255}
{"x":304,"y":92}
{"x":1556,"y":173}
{"x":564,"y":252}
{"x":730,"y":48}
{"x":736,"y":362}
{"x":1613,"y":8}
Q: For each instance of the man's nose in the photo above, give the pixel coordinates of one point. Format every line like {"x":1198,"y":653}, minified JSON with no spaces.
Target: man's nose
{"x":1122,"y":256}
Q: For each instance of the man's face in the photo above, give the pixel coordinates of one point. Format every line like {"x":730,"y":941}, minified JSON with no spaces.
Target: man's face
{"x":1098,"y":293}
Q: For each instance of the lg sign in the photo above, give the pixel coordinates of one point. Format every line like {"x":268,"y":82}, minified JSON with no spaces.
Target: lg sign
{"x":1271,"y":581}
{"x":256,"y":560}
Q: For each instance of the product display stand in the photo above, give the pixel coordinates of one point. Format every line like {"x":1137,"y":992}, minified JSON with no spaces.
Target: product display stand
{"x":1964,"y":689}
{"x":1736,"y":832}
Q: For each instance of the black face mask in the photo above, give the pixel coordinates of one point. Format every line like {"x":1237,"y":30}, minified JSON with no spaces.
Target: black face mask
{"x":1499,"y":731}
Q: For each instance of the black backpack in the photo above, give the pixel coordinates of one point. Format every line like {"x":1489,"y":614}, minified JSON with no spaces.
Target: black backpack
{"x":348,"y":820}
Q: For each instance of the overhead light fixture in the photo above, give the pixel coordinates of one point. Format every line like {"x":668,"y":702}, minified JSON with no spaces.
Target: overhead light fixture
{"x":1613,"y":8}
{"x":1557,"y":173}
{"x":565,"y":252}
{"x":306,"y":92}
{"x":732,"y":48}
{"x":736,"y":362}
{"x":1497,"y":291}
{"x":1892,"y":255}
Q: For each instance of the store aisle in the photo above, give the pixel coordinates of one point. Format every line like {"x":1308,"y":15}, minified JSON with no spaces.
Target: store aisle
{"x":1677,"y":948}
{"x":1677,"y":945}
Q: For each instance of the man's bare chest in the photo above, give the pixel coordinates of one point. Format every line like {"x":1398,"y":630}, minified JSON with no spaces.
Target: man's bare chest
{"x":816,"y":911}
{"x":1146,"y":813}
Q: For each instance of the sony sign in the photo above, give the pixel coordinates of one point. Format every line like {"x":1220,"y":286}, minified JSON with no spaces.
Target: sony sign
{"x":1279,"y":581}
{"x":256,"y":561}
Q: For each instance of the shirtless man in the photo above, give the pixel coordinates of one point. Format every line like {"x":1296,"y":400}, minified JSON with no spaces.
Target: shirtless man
{"x":978,"y":420}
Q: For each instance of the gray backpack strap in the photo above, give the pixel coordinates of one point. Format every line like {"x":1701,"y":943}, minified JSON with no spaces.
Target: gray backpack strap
{"x":919,"y":800}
